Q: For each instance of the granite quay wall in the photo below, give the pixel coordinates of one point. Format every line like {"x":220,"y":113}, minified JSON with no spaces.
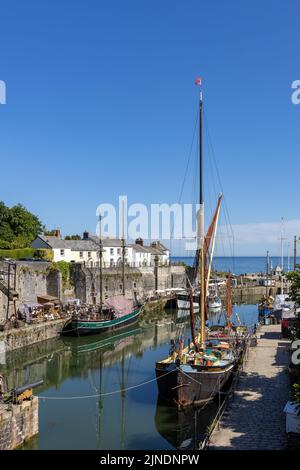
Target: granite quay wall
{"x":18,"y":423}
{"x":139,"y":282}
{"x":27,"y":335}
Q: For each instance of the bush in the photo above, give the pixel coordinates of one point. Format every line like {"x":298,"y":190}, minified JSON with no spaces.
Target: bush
{"x":64,"y":268}
{"x":43,"y":253}
{"x":17,"y":253}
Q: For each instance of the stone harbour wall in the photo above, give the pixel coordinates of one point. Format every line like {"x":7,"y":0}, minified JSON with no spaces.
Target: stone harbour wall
{"x":139,"y":282}
{"x":18,"y":423}
{"x":30,"y":334}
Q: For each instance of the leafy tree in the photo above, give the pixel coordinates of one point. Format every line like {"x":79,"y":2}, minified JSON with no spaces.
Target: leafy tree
{"x":73,"y":237}
{"x":18,"y":226}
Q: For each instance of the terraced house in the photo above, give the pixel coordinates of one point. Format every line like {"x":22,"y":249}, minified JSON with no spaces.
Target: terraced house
{"x":87,"y":249}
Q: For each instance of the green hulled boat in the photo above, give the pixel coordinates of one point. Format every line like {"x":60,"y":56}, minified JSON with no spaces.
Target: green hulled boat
{"x":110,"y":320}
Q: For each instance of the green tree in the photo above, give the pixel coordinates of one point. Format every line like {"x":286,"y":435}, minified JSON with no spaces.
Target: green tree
{"x":73,"y":237}
{"x":18,"y":226}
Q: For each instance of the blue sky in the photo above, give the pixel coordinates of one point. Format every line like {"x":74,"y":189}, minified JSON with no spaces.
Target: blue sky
{"x":101,"y":102}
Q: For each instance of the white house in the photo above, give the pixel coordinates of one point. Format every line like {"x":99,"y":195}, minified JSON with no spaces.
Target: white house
{"x":76,"y":251}
{"x":87,"y":250}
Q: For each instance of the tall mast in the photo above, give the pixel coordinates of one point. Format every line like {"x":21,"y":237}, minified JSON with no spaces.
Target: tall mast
{"x":100,"y":264}
{"x":281,"y":245}
{"x":267,"y":273}
{"x":295,"y":252}
{"x":123,"y":250}
{"x":200,"y":233}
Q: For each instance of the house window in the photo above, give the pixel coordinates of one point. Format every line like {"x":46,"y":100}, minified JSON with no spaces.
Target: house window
{"x":81,"y":254}
{"x":121,"y":287}
{"x":106,"y":288}
{"x":89,"y":254}
{"x":111,"y":261}
{"x":119,"y":251}
{"x":134,"y":285}
{"x":111,"y":251}
{"x":62,"y":252}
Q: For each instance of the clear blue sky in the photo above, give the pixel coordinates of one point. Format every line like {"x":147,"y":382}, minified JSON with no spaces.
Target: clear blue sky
{"x":101,"y":101}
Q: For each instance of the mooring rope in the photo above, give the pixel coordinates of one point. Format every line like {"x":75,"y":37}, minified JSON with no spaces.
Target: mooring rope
{"x":113,"y":392}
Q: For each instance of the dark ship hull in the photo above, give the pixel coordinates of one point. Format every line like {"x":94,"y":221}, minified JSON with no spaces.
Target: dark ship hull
{"x":191,"y":385}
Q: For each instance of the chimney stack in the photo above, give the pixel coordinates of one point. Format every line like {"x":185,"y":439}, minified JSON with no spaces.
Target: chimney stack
{"x":139,"y":241}
{"x":56,"y":233}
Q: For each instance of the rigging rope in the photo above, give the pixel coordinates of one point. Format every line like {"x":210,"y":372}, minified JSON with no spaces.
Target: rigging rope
{"x":113,"y":392}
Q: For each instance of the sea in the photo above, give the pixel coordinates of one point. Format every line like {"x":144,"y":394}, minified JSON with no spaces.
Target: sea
{"x":242,"y":264}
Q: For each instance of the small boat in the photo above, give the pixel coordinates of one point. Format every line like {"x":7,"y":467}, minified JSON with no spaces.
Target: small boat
{"x":183,"y":300}
{"x":214,"y":302}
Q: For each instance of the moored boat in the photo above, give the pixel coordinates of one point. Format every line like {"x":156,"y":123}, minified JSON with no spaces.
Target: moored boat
{"x":109,"y":319}
{"x":195,"y":373}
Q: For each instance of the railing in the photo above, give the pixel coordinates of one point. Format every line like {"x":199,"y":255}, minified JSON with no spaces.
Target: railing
{"x":117,"y":265}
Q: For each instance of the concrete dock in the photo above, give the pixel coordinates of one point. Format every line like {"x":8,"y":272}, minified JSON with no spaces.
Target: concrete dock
{"x":254,"y":418}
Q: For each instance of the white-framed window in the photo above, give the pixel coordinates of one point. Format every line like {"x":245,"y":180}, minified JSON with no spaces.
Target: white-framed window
{"x":111,"y":261}
{"x":89,"y":254}
{"x":62,"y":252}
{"x":118,"y":251}
{"x":111,"y":251}
{"x":80,"y":254}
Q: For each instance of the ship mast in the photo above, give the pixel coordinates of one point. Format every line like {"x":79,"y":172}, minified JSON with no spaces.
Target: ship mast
{"x":100,"y":264}
{"x":123,"y":249}
{"x":200,"y":226}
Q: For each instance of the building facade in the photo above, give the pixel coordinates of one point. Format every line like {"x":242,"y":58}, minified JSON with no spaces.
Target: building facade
{"x":87,"y":251}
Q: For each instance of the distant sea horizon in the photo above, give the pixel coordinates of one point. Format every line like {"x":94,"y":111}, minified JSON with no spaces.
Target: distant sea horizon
{"x":243,"y":264}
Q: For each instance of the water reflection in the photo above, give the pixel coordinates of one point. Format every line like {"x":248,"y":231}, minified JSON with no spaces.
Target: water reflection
{"x":98,"y":366}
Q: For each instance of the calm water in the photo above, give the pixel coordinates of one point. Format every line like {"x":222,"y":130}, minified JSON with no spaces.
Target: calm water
{"x":243,"y":264}
{"x":74,"y":367}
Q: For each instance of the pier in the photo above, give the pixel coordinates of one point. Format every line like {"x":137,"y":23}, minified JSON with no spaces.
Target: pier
{"x":254,"y":418}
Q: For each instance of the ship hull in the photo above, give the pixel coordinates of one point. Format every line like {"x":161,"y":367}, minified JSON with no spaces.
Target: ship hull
{"x":186,"y":385}
{"x":183,"y":301}
{"x":77,"y":327}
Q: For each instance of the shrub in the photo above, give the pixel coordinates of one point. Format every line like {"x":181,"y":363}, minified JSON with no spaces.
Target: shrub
{"x":17,"y":253}
{"x":43,"y":253}
{"x":64,"y":268}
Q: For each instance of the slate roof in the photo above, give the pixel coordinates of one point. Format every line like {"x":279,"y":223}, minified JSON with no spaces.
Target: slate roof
{"x":92,"y":244}
{"x":74,"y":245}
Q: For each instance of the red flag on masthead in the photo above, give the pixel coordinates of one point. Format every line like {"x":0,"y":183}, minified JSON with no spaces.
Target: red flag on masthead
{"x":198,"y":81}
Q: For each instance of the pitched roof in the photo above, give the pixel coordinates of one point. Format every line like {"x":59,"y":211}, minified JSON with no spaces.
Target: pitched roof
{"x":75,"y":245}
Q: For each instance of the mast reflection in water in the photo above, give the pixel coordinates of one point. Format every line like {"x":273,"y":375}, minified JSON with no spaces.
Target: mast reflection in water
{"x":98,"y":365}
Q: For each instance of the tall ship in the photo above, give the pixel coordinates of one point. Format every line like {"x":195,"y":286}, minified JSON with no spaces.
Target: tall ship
{"x":195,"y":373}
{"x":113,"y":313}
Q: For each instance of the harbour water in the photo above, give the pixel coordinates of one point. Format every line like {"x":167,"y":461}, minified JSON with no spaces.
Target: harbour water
{"x":243,"y":264}
{"x":76,"y":371}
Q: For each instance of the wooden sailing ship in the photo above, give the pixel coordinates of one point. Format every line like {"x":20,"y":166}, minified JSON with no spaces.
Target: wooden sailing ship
{"x":114,"y":313}
{"x":195,"y":373}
